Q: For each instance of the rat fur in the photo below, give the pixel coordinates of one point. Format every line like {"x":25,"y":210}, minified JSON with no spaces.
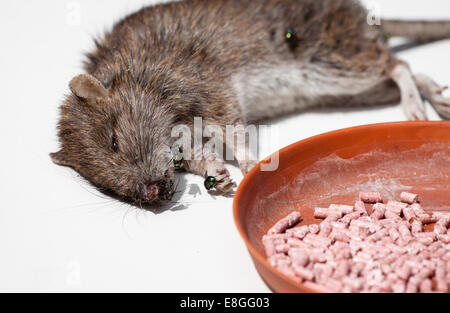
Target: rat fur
{"x":231,"y":63}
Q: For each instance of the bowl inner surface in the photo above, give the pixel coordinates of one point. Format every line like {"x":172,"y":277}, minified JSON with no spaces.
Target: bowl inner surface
{"x":334,"y":167}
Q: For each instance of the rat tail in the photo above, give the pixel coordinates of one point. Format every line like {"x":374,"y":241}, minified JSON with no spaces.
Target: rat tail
{"x":417,"y":30}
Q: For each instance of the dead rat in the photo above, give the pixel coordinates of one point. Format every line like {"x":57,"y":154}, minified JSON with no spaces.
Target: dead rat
{"x":230,"y":62}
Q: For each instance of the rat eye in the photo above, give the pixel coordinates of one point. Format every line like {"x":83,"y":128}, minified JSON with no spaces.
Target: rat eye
{"x":114,"y":144}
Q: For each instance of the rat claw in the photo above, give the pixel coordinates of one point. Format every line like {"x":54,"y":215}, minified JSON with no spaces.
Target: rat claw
{"x":434,"y":94}
{"x":442,"y":105}
{"x":222,"y":177}
{"x":223,"y":182}
{"x":225,"y":186}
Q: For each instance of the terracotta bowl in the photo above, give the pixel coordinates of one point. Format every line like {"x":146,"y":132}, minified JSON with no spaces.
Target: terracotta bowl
{"x":333,"y":168}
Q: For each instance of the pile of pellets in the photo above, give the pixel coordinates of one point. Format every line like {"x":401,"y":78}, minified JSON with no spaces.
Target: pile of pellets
{"x":352,"y":251}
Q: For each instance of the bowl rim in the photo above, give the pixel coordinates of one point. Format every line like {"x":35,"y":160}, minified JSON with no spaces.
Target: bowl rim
{"x":247,"y":178}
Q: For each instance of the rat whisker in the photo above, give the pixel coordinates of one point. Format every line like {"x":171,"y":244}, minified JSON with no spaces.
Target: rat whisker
{"x":85,"y":205}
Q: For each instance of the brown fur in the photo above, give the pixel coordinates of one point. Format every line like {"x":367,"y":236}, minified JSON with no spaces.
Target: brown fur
{"x":167,"y":63}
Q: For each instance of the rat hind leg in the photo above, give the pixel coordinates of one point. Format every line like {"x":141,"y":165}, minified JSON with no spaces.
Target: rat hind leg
{"x":384,"y":93}
{"x":411,"y":101}
{"x":406,"y":88}
{"x":434,"y":94}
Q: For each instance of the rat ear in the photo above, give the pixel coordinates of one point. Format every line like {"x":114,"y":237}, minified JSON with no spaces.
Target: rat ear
{"x":59,"y":158}
{"x":87,"y":87}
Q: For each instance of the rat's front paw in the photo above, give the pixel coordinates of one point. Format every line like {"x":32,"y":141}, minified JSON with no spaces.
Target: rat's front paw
{"x":218,"y":177}
{"x":224,"y":183}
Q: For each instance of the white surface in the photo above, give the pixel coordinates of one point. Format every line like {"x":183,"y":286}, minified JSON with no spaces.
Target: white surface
{"x":57,"y":234}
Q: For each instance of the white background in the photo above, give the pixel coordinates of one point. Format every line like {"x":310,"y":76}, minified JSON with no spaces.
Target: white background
{"x":58,"y":234}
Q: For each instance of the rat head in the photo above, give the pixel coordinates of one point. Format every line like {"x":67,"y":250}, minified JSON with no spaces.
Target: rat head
{"x":118,"y":139}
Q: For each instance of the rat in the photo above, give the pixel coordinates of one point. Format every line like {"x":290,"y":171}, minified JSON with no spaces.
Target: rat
{"x":230,"y":62}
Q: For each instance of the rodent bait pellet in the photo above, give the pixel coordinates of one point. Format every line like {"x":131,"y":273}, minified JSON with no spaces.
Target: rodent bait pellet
{"x":350,"y":251}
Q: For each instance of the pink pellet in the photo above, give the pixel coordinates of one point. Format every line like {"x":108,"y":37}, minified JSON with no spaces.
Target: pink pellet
{"x":398,"y":286}
{"x":404,"y":231}
{"x":443,"y":220}
{"x":285,"y":223}
{"x":343,"y":209}
{"x":288,"y":271}
{"x":325,"y":229}
{"x":303,"y":272}
{"x":378,"y":211}
{"x":430,"y":235}
{"x":321,"y":213}
{"x":394,"y":234}
{"x":282,"y":248}
{"x":279,"y":241}
{"x":296,"y":243}
{"x":425,"y":218}
{"x":370,"y":197}
{"x":361,"y":208}
{"x":425,"y":240}
{"x":313,"y":228}
{"x":334,"y":285}
{"x":315,"y":241}
{"x":299,"y":257}
{"x":416,"y":226}
{"x":444,"y":238}
{"x":352,"y":252}
{"x":298,"y":232}
{"x":417,"y":208}
{"x":332,"y":218}
{"x":409,"y":214}
{"x":339,"y":235}
{"x":317,"y":256}
{"x":426,"y":286}
{"x":352,"y":284}
{"x":395,"y":206}
{"x":269,"y":246}
{"x":322,"y":272}
{"x":411,"y":287}
{"x":389,"y":214}
{"x":404,"y":272}
{"x":441,"y":277}
{"x":342,"y":269}
{"x":322,"y":242}
{"x":425,"y":272}
{"x":346,"y":220}
{"x":439,"y":229}
{"x":339,"y":224}
{"x":276,"y":258}
{"x":409,"y":198}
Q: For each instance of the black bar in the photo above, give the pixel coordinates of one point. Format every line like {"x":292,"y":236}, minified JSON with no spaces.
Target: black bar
{"x":218,"y":302}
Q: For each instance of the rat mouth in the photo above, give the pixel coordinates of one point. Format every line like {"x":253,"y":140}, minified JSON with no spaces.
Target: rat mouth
{"x":166,"y":191}
{"x":144,"y":197}
{"x":151,"y":192}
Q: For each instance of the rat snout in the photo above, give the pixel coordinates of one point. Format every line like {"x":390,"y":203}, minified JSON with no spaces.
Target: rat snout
{"x":148,"y":191}
{"x":153,"y":190}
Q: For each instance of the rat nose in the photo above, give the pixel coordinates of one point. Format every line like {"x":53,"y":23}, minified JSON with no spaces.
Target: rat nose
{"x":148,"y":191}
